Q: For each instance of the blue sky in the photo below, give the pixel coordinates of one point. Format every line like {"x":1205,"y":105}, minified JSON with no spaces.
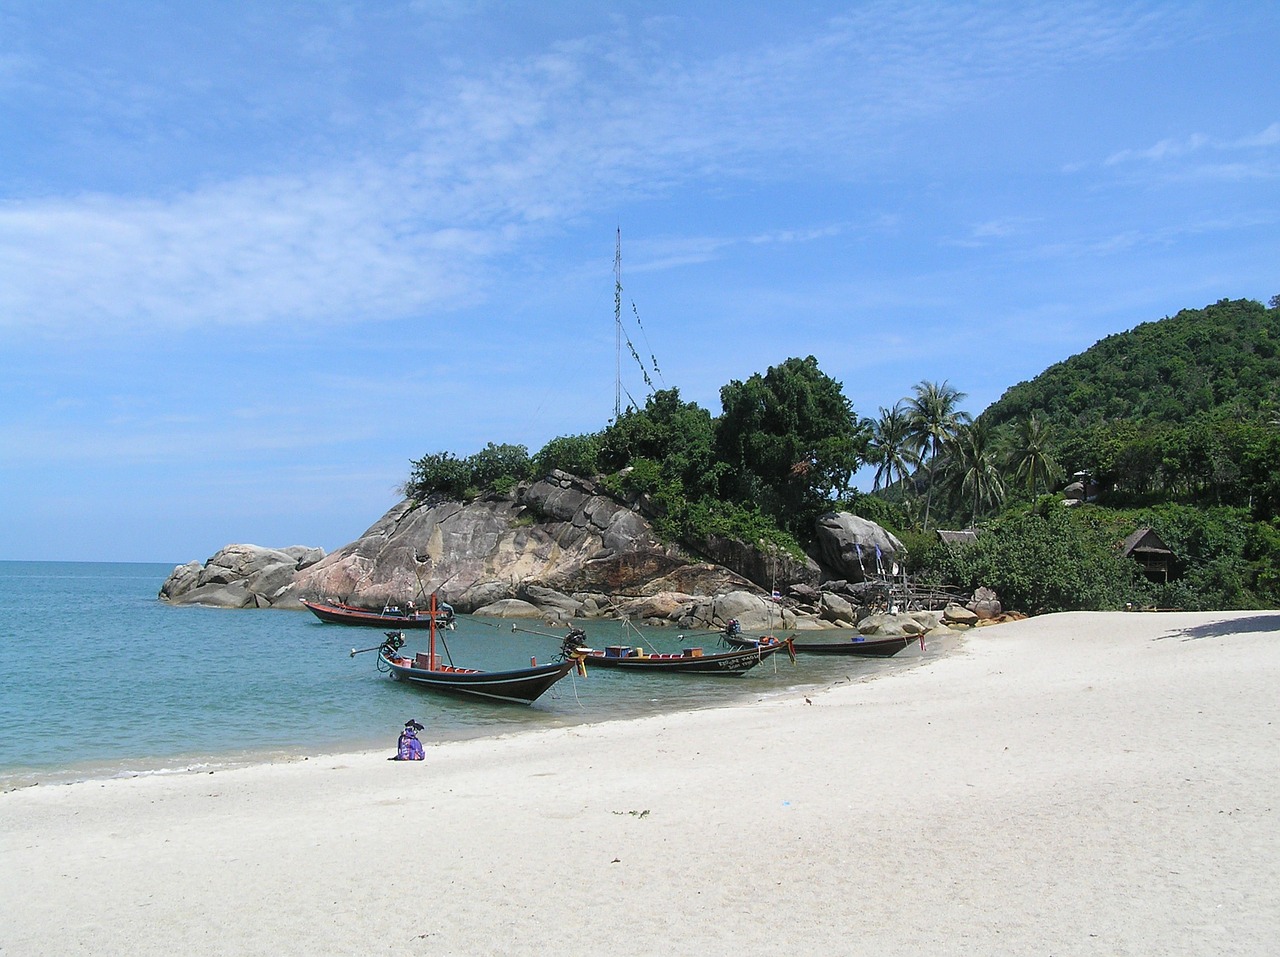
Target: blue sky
{"x":257,"y":257}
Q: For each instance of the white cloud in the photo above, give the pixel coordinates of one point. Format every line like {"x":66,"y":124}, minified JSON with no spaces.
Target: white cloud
{"x":990,"y":231}
{"x":1165,"y":149}
{"x":1175,"y":148}
{"x":482,"y":164}
{"x":1268,"y":137}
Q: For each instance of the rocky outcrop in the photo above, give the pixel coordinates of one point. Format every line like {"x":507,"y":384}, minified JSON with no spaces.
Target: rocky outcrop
{"x":510,"y":608}
{"x":959,"y":615}
{"x":559,"y":549}
{"x":855,"y":548}
{"x":241,"y":576}
{"x":985,"y":604}
{"x":836,"y":608}
{"x":759,"y":563}
{"x":550,"y":542}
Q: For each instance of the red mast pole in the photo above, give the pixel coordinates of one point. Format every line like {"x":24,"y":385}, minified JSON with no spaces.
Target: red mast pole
{"x":431,"y":649}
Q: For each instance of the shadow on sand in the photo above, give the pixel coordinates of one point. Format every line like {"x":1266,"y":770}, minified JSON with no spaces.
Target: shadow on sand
{"x":1263,"y":621}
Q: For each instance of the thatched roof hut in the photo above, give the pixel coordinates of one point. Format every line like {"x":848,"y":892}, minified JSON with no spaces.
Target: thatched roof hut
{"x":1149,"y":550}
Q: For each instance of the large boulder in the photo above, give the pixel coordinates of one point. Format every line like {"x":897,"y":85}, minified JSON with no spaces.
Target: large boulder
{"x":664,"y":606}
{"x":985,"y":604}
{"x":955,"y":614}
{"x":241,"y":576}
{"x":753,"y":611}
{"x":902,"y":624}
{"x":180,"y":581}
{"x":553,"y":539}
{"x":855,"y":548}
{"x":552,"y":601}
{"x":765,"y":565}
{"x":562,"y":547}
{"x":510,"y":608}
{"x":835,"y":608}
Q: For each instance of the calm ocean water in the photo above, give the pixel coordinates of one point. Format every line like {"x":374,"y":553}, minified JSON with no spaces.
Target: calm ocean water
{"x":100,"y":679}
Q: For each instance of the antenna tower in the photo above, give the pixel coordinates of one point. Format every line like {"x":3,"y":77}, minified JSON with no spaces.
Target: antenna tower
{"x":617,"y":327}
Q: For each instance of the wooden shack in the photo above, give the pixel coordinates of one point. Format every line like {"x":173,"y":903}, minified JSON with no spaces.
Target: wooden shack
{"x":965,"y":536}
{"x":1148,"y":549}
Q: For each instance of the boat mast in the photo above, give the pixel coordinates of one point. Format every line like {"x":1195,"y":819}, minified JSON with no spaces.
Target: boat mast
{"x":431,"y":647}
{"x":617,"y":327}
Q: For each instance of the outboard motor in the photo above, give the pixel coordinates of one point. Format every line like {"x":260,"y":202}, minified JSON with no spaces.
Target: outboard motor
{"x":394,"y":642}
{"x":576,"y":639}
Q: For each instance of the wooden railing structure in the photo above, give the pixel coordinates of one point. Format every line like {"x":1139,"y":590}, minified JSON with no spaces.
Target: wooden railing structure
{"x":902,"y":594}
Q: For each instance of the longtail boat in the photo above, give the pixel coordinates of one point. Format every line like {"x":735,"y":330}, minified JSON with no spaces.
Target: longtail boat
{"x":857,"y":646}
{"x":392,"y":616}
{"x":517,"y":685}
{"x":690,"y":661}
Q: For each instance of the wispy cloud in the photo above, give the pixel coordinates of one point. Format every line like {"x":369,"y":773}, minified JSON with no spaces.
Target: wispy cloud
{"x":1162,"y":237}
{"x":240,"y":253}
{"x":1172,"y":149}
{"x":1268,"y":137}
{"x":992,"y":231}
{"x":474,"y":165}
{"x":1165,"y":149}
{"x":670,"y":252}
{"x":1201,"y":158}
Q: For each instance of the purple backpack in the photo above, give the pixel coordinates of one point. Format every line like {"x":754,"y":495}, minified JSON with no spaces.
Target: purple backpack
{"x":409,"y":747}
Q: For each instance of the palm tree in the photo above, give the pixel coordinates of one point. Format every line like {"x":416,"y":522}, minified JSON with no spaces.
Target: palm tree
{"x":1031,"y":460}
{"x":891,"y":450}
{"x":974,"y":464}
{"x":934,"y":420}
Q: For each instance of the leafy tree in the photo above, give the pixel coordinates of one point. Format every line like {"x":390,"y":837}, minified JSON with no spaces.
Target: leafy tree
{"x":934,"y":419}
{"x":499,"y":467}
{"x":678,"y":435}
{"x":1057,"y":561}
{"x":642,"y":477}
{"x":494,"y":468}
{"x":890,"y":449}
{"x":973,"y":468}
{"x":1031,"y":456}
{"x":790,"y":441}
{"x":438,"y":473}
{"x":575,"y":454}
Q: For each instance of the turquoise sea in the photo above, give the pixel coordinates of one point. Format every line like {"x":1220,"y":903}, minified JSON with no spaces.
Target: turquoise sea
{"x":98,"y":678}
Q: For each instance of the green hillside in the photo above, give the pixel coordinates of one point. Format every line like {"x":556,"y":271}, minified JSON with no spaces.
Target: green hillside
{"x":1186,"y":409}
{"x":1176,"y":423}
{"x":1222,"y":359}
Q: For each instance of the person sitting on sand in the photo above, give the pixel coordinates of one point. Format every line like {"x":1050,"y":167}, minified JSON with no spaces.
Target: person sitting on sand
{"x":409,"y":748}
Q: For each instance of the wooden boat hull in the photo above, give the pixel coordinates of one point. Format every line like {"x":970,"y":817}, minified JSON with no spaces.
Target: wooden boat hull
{"x":336,"y":614}
{"x":858,"y":648}
{"x":867,"y":648}
{"x":729,"y":663}
{"x":518,"y":686}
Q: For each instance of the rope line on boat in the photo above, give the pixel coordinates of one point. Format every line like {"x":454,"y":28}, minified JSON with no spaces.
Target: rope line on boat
{"x":573,"y":678}
{"x":540,"y":634}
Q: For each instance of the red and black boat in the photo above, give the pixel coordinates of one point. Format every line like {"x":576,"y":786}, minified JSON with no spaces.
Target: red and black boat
{"x":517,"y":685}
{"x":391,"y":616}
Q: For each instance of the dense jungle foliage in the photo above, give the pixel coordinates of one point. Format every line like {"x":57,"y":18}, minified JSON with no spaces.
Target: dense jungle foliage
{"x":1173,"y":426}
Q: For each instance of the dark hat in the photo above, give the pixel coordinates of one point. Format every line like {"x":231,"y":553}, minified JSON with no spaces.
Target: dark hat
{"x":412,"y":723}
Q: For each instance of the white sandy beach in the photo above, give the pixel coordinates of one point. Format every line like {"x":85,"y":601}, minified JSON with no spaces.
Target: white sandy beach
{"x":1099,"y":784}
